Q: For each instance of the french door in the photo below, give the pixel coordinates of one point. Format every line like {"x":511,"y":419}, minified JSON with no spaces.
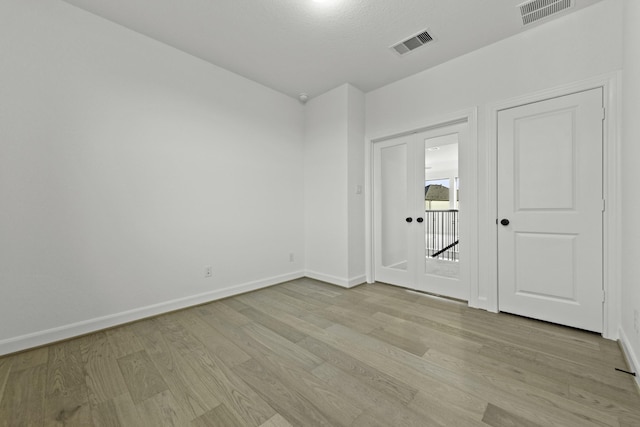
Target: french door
{"x":419,"y":227}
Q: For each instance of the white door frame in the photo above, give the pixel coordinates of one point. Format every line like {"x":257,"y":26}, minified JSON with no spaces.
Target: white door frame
{"x":470,"y":117}
{"x":487,"y":297}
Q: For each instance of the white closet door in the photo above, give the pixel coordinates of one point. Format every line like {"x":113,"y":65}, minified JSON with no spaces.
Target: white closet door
{"x":550,"y":210}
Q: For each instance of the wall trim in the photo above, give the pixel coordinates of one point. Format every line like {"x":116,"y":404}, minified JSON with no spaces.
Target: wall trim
{"x":611,"y":244}
{"x":334,"y":280}
{"x":632,"y":359}
{"x":358,"y":280}
{"x":36,"y":339}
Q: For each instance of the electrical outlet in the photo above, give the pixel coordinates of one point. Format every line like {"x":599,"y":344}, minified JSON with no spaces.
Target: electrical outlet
{"x":208,"y":271}
{"x":291,"y":257}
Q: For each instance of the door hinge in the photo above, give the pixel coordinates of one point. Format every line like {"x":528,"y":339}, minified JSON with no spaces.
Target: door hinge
{"x":604,"y":295}
{"x":604,"y":113}
{"x":604,"y":205}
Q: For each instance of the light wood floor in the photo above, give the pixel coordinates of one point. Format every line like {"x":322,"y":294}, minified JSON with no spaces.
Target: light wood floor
{"x":305,"y":353}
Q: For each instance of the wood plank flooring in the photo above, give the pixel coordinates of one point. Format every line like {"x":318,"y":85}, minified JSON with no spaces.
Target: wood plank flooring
{"x":305,"y":353}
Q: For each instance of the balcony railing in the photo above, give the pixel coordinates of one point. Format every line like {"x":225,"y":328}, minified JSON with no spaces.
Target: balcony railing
{"x":442,"y":235}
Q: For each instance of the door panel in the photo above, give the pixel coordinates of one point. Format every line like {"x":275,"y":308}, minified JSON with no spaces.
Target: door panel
{"x":394,"y":174}
{"x":545,"y":143}
{"x":550,"y":189}
{"x":393,"y":197}
{"x":440,"y":274}
{"x":546,"y":266}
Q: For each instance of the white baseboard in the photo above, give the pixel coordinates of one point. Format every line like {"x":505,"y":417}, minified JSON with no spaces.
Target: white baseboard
{"x":52,"y":335}
{"x":358,"y":280}
{"x":632,"y":358}
{"x":338,"y":281}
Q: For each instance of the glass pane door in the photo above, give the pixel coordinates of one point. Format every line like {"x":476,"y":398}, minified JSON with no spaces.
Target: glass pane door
{"x":418,"y":241}
{"x":393,"y":195}
{"x":393,"y":220}
{"x":442,"y":226}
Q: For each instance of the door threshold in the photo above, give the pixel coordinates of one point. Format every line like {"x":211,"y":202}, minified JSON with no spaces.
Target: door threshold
{"x":436,"y":296}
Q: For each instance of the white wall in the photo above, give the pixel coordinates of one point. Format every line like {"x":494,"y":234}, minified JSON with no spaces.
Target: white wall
{"x":575,"y":47}
{"x":334,"y":165}
{"x":325,"y":174}
{"x":356,"y":206}
{"x":126,"y":167}
{"x":630,"y":178}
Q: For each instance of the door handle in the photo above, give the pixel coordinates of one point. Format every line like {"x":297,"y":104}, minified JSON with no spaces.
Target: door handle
{"x":504,"y":222}
{"x":420,"y":219}
{"x":409,"y":219}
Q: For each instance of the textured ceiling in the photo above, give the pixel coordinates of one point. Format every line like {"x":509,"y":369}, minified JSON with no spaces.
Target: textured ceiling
{"x":296,"y":46}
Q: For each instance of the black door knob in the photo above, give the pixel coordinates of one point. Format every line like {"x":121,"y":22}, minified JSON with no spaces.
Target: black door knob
{"x":504,"y":221}
{"x":420,"y":219}
{"x":409,"y":219}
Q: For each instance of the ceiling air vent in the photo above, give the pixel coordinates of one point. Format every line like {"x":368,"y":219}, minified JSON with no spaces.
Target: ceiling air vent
{"x":536,"y":10}
{"x":412,"y":43}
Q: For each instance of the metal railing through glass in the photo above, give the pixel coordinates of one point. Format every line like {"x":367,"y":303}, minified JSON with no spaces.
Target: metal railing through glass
{"x":442,"y":234}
